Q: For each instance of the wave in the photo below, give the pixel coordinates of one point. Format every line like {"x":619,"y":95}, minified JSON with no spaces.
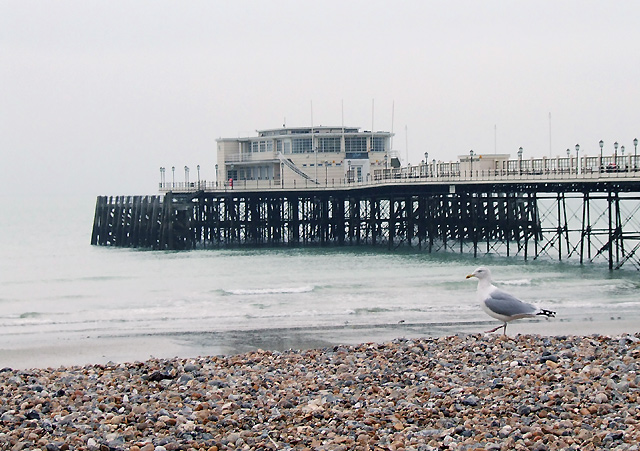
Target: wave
{"x":30,"y":315}
{"x":515,"y":282}
{"x":283,"y":290}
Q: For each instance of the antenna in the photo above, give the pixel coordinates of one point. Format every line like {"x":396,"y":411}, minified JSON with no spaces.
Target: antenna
{"x":393,"y":112}
{"x":549,"y":134}
{"x":406,"y":137}
{"x":372,"y":109}
{"x":313,"y":147}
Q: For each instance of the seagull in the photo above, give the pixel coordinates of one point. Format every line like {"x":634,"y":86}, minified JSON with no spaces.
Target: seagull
{"x":500,"y":304}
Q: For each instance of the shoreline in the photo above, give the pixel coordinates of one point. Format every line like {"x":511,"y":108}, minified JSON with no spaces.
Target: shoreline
{"x":84,"y":349}
{"x":456,"y":392}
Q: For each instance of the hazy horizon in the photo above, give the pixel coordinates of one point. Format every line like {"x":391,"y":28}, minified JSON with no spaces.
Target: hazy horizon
{"x":98,"y":95}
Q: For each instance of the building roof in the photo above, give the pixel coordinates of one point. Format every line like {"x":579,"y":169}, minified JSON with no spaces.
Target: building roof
{"x":292,"y":131}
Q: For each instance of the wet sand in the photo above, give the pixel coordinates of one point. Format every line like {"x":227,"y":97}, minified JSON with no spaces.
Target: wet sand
{"x":53,"y":351}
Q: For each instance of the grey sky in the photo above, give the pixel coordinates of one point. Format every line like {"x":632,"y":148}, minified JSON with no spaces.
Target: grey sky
{"x":98,"y":95}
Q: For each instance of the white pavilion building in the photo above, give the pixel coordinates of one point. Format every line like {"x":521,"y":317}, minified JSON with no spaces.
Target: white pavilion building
{"x":305,"y":155}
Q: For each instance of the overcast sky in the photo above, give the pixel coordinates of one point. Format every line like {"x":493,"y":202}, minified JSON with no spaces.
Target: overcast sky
{"x":97,"y":95}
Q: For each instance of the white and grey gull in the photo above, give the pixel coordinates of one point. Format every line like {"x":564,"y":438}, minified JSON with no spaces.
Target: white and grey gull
{"x":500,"y":304}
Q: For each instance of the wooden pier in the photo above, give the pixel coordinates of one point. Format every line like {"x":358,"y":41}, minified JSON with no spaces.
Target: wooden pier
{"x":587,"y":220}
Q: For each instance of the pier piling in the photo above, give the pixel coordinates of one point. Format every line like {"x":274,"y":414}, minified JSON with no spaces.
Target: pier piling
{"x":589,"y":221}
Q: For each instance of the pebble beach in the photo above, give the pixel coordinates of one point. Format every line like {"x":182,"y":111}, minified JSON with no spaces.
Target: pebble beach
{"x":463,"y":392}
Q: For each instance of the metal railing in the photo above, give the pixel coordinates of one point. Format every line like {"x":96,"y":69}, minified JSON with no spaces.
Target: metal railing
{"x":554,"y":170}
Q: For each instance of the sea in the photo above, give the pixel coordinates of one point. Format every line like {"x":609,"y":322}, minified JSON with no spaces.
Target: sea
{"x":64,"y":302}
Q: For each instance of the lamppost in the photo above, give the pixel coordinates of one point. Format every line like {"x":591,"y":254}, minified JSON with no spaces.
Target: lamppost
{"x":173,"y":177}
{"x":434,"y":168}
{"x":198,"y":168}
{"x":471,"y":162}
{"x":326,"y":167}
{"x":161,"y":177}
{"x":601,"y":146}
{"x":520,"y":160}
{"x":216,"y":175}
{"x":635,"y":154}
{"x":615,"y":156}
{"x":426,"y":163}
{"x":186,"y":176}
{"x":624,"y":163}
{"x":577,"y":159}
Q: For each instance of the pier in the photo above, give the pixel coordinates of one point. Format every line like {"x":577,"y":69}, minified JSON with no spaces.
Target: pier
{"x":574,"y":213}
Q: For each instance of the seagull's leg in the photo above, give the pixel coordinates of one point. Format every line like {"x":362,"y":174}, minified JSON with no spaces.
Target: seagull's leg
{"x":492,"y":330}
{"x":504,"y":332}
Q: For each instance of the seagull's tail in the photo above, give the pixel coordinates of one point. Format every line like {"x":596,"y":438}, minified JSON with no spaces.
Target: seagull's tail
{"x":547,"y":313}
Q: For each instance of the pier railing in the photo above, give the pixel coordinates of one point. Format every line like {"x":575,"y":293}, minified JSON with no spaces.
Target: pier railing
{"x":409,"y":175}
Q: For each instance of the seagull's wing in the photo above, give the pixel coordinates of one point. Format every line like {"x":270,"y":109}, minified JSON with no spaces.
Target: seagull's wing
{"x":503,"y":303}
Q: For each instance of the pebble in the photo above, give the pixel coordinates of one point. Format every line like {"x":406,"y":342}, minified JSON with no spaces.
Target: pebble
{"x":460,"y":392}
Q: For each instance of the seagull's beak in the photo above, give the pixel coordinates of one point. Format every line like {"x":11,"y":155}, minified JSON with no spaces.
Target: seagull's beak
{"x":470,"y":276}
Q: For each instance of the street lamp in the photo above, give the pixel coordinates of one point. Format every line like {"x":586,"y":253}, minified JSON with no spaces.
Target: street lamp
{"x":315,"y":151}
{"x":520,"y":160}
{"x":173,"y":177}
{"x":198,"y":168}
{"x":426,"y":163}
{"x":577,"y":159}
{"x":434,"y":168}
{"x":186,"y":176}
{"x":615,"y":156}
{"x":601,"y":146}
{"x":471,"y":162}
{"x":161,"y":177}
{"x":635,"y":153}
{"x":326,"y":167}
{"x":216,"y":175}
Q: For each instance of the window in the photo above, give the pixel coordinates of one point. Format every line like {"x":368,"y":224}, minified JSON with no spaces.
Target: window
{"x":378,"y":144}
{"x":302,"y":145}
{"x":355,"y":144}
{"x":329,"y":145}
{"x":254,"y":146}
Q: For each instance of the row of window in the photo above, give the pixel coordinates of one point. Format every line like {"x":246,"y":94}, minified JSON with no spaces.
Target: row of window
{"x":353,"y":144}
{"x":251,"y":173}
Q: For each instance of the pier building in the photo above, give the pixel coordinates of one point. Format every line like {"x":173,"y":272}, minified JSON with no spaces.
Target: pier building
{"x":305,"y":155}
